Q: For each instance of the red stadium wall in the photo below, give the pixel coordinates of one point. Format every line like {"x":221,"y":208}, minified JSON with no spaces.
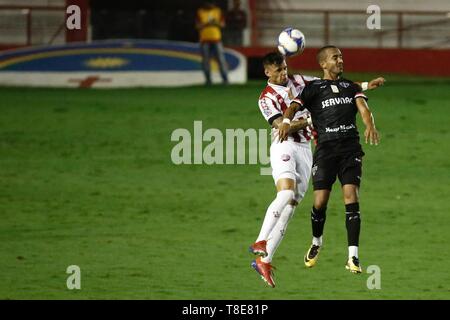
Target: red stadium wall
{"x":405,"y":61}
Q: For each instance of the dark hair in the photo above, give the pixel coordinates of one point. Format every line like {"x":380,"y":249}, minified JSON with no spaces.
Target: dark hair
{"x":322,"y":51}
{"x":274,"y":57}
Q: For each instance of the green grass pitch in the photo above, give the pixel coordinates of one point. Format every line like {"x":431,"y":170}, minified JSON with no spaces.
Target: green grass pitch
{"x":86,"y":179}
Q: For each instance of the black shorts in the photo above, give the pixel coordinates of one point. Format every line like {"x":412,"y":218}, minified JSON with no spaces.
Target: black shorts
{"x":337,"y":158}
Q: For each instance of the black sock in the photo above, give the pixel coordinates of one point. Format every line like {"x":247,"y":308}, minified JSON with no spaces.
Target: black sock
{"x":353,"y":223}
{"x":318,"y":217}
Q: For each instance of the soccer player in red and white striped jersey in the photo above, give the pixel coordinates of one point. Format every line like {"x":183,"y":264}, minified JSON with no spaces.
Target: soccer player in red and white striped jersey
{"x":290,"y":161}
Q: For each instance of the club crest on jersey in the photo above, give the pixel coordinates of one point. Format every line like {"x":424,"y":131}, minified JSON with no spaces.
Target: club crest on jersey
{"x":344,"y":84}
{"x":334,"y":88}
{"x":285,"y":157}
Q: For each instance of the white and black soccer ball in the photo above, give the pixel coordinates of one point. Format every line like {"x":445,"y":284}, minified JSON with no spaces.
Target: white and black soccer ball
{"x":291,"y":42}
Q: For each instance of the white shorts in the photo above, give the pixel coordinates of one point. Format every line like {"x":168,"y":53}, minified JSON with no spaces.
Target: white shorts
{"x":292,"y":160}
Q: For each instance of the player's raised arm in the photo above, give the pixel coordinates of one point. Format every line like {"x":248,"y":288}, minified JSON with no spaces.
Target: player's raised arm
{"x":375,"y":83}
{"x":372,"y":84}
{"x":371,"y":134}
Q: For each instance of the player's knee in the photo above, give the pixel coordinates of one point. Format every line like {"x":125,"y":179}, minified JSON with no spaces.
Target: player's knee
{"x":320,"y":203}
{"x":321,"y":198}
{"x":286,"y":195}
{"x":351,"y":193}
{"x":351,"y":197}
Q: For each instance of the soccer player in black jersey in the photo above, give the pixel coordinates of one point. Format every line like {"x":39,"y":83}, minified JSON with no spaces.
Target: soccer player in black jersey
{"x":334,"y":102}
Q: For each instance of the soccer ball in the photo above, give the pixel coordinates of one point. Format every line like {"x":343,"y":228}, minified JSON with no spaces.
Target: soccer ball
{"x":291,"y":42}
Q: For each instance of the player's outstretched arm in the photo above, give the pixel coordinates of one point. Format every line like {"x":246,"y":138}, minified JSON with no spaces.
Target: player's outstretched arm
{"x":375,"y":83}
{"x":370,"y":134}
{"x":372,"y":84}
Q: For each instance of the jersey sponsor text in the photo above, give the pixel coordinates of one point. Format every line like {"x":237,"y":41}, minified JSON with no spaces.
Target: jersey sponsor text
{"x":336,"y":101}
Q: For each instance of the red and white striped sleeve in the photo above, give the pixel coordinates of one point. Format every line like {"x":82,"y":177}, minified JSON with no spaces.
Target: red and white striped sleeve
{"x":268,"y":108}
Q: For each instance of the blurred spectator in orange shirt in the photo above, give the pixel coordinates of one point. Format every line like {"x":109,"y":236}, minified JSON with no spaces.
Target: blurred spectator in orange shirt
{"x":209,"y":24}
